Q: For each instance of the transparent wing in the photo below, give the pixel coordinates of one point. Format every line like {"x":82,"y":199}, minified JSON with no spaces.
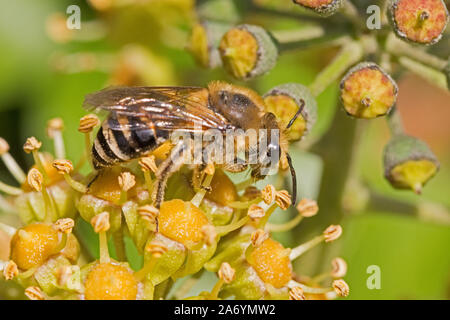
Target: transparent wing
{"x":167,"y":108}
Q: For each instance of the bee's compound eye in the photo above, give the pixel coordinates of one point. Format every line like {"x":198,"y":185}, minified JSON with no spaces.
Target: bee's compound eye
{"x":241,"y":100}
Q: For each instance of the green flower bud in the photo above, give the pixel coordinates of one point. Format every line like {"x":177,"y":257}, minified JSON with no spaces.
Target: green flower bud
{"x":248,"y":51}
{"x":169,"y":263}
{"x":246,"y":286}
{"x":203,"y":43}
{"x":229,"y":249}
{"x":323,"y":7}
{"x":409,"y":163}
{"x":217,"y":214}
{"x":367,"y":91}
{"x":419,"y":21}
{"x":139,"y":228}
{"x":31,"y":205}
{"x":285,"y":100}
{"x":195,"y":260}
{"x":51,"y":279}
{"x":90,"y":206}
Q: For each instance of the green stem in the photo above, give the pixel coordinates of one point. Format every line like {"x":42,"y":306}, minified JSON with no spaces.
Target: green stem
{"x":432,"y":75}
{"x":58,"y":142}
{"x":119,"y":245}
{"x":87,"y":147}
{"x":258,"y":9}
{"x":352,"y":14}
{"x":13,"y":167}
{"x":400,"y":48}
{"x":215,"y":291}
{"x":40,"y":165}
{"x":349,"y":54}
{"x":301,"y":249}
{"x":293,"y":35}
{"x":223,"y":230}
{"x":395,"y":122}
{"x":104,"y":253}
{"x":244,"y":204}
{"x":269,"y":212}
{"x":77,"y":186}
{"x":307,"y":289}
{"x":285,"y":226}
{"x":13,"y":191}
{"x":329,"y":40}
{"x":148,"y":181}
{"x":146,"y":269}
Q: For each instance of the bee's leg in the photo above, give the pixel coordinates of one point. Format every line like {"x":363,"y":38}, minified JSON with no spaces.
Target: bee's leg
{"x":167,"y":168}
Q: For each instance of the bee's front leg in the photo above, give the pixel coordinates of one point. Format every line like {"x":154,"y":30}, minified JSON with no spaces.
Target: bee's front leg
{"x":176,"y":159}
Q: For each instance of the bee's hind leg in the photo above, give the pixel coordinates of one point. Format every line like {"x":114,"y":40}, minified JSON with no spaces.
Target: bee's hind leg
{"x":173,"y":163}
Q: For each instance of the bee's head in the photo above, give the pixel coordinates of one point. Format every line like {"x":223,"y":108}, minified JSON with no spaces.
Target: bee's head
{"x":277,"y":147}
{"x":241,"y":106}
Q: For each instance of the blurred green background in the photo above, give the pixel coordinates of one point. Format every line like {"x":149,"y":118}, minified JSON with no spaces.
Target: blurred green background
{"x":45,"y":71}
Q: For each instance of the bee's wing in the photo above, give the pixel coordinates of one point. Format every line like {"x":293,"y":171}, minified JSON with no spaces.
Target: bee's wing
{"x":167,"y":108}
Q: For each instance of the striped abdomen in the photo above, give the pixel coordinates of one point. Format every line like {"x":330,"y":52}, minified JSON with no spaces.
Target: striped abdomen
{"x":124,"y":138}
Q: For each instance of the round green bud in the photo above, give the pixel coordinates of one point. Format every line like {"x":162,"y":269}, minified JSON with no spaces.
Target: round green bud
{"x":248,"y":51}
{"x":409,"y":163}
{"x":285,"y":100}
{"x":419,"y":21}
{"x":367,"y":91}
{"x":323,"y":7}
{"x":203,"y":43}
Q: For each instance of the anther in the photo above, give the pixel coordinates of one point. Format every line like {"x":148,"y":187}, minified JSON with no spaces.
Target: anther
{"x":339,"y":268}
{"x":63,"y":166}
{"x":283,"y":199}
{"x":88,"y":122}
{"x":100,"y":222}
{"x":258,"y":237}
{"x":268,"y":194}
{"x":341,"y":288}
{"x":156,"y":249}
{"x":32,"y":144}
{"x":126,"y":181}
{"x":11,"y":270}
{"x":226,"y":272}
{"x":34,"y":293}
{"x":35,"y":179}
{"x":148,"y":163}
{"x":307,"y":208}
{"x":255,"y":212}
{"x":64,"y":225}
{"x":296,"y":293}
{"x":332,"y":233}
{"x":148,"y":212}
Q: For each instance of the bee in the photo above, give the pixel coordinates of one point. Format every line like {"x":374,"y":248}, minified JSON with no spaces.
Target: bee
{"x":140,"y":119}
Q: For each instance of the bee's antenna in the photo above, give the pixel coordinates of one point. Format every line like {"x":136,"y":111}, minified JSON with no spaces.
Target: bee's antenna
{"x":294,"y":179}
{"x":291,"y":122}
